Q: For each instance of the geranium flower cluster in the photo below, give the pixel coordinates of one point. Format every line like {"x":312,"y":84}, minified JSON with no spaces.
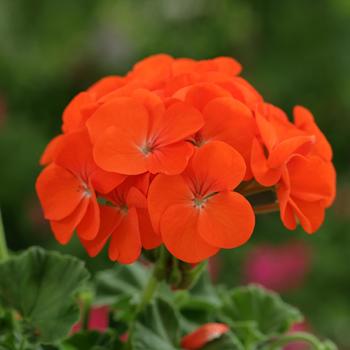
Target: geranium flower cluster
{"x":167,"y":155}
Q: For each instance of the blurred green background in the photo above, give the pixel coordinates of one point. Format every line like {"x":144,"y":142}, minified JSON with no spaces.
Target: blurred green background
{"x":293,"y":51}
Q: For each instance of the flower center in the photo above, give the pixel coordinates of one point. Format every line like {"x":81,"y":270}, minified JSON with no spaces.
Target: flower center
{"x":147,"y":149}
{"x":198,"y":202}
{"x":123,"y":209}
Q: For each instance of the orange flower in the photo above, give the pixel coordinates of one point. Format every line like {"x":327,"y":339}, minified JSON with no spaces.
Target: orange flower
{"x":198,"y":130}
{"x":66,"y":189}
{"x":297,"y":159}
{"x":279,"y":140}
{"x":197,"y":213}
{"x":125,"y":220}
{"x":203,"y":335}
{"x":225,"y":119}
{"x":306,"y":190}
{"x":304,"y":120}
{"x":130,"y":139}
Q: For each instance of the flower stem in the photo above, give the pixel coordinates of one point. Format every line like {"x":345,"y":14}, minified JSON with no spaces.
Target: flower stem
{"x":3,"y":246}
{"x":266,"y":208}
{"x":295,"y":337}
{"x":149,"y":292}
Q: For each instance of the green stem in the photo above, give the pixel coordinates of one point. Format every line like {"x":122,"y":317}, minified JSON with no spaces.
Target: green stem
{"x":3,"y":246}
{"x":149,"y":292}
{"x":295,"y":337}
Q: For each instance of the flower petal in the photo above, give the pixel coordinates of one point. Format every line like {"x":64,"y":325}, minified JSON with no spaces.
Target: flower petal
{"x":125,"y":246}
{"x":226,"y":220}
{"x":124,"y":113}
{"x":149,"y":238}
{"x":110,"y":218}
{"x":179,"y":121}
{"x":117,"y":151}
{"x":285,"y":149}
{"x":171,"y":159}
{"x":63,"y":230}
{"x":260,"y":168}
{"x":304,"y":120}
{"x":203,"y":335}
{"x":201,"y":94}
{"x":164,"y":192}
{"x":90,"y":224}
{"x":73,"y":118}
{"x":312,"y":179}
{"x":216,"y":166}
{"x":180,"y":235}
{"x":59,"y":192}
{"x":51,"y":150}
{"x":230,"y":121}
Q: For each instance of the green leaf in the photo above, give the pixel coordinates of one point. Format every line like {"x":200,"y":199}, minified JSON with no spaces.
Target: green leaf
{"x":255,"y":313}
{"x":157,"y":328}
{"x":121,"y":283}
{"x":92,"y":340}
{"x":226,"y":342}
{"x":41,"y":286}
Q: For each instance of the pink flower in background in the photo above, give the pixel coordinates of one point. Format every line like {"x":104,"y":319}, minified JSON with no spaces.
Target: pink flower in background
{"x":298,"y":327}
{"x":279,"y":268}
{"x":98,"y":320}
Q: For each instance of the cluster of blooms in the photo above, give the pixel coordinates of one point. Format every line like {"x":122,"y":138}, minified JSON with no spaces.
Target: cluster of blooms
{"x":164,"y":155}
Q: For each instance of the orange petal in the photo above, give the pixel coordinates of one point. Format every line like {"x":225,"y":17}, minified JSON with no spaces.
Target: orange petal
{"x":267,"y":131}
{"x":64,"y":229}
{"x":124,"y":113}
{"x":286,"y":210}
{"x":312,"y":179}
{"x":73,"y":119}
{"x":51,"y":150}
{"x":201,"y":94}
{"x":153,"y":70}
{"x":179,"y":229}
{"x":59,"y":192}
{"x":90,"y":224}
{"x":104,"y":181}
{"x":283,"y":150}
{"x":260,"y":168}
{"x":203,"y":335}
{"x":110,"y":219}
{"x":242,"y":91}
{"x":171,"y":159}
{"x":164,"y":192}
{"x":179,"y":121}
{"x":216,"y":166}
{"x":226,"y":220}
{"x":304,"y":120}
{"x":227,"y":65}
{"x":135,"y":198}
{"x":149,"y":238}
{"x":117,"y":151}
{"x":107,"y":85}
{"x":125,"y":246}
{"x":310,"y":214}
{"x":229,"y":120}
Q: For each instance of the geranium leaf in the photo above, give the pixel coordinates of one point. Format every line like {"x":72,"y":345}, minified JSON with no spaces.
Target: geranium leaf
{"x":257,"y":312}
{"x":121,"y":282}
{"x":92,"y":340}
{"x":156,"y":328}
{"x":41,"y":286}
{"x":226,"y":342}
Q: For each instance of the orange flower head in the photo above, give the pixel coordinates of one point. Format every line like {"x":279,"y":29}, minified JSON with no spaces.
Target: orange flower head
{"x":166,"y":155}
{"x":197,"y":212}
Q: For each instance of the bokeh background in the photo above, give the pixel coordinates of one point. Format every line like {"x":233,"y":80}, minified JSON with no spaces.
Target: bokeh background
{"x":293,"y":51}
